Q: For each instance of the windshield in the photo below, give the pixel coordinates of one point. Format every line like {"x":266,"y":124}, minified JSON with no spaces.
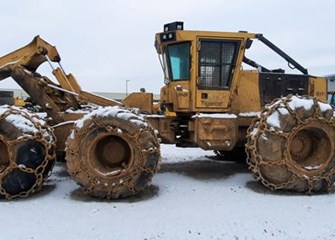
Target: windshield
{"x":178,"y":61}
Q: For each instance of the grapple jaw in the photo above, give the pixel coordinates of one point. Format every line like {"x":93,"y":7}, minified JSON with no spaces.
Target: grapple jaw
{"x":30,"y":56}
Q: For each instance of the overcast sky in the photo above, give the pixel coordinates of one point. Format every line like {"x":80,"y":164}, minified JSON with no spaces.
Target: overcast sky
{"x":106,"y":42}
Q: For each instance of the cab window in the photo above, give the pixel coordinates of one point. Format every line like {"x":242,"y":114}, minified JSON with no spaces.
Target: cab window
{"x":178,"y":61}
{"x":217,"y":59}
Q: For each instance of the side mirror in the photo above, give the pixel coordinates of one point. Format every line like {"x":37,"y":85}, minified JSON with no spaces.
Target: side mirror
{"x":248,"y":43}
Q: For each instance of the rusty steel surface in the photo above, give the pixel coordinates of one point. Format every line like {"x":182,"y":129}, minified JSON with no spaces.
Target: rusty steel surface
{"x":114,"y":154}
{"x":27,"y":153}
{"x":298,"y":151}
{"x":51,"y":100}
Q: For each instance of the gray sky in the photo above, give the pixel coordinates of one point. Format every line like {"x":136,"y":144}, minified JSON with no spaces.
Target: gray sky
{"x":105,"y":42}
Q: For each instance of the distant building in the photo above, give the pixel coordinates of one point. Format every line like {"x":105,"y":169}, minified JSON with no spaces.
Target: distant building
{"x":116,"y":96}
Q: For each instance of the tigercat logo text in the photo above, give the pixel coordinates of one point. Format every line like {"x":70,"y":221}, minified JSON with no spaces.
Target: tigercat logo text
{"x":212,"y":104}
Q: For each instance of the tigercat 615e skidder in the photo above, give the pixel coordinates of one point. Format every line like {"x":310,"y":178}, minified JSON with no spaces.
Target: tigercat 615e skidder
{"x":208,"y":101}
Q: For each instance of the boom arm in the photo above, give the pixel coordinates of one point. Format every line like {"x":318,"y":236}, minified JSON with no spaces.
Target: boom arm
{"x":22,"y":64}
{"x":31,"y":57}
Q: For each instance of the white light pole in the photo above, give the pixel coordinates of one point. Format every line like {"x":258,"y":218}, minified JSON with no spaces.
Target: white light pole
{"x":127,"y":87}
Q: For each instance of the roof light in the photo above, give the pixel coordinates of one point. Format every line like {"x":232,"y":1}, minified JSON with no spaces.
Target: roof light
{"x":173,"y":26}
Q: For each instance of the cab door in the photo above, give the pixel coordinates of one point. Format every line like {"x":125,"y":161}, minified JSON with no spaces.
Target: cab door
{"x":216,"y":64}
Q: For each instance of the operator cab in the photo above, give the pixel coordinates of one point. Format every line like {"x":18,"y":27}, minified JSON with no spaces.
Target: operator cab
{"x":203,"y":71}
{"x":216,"y":59}
{"x":198,"y":64}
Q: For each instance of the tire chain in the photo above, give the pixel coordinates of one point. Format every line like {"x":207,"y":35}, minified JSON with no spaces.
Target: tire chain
{"x":126,"y":181}
{"x":254,"y":159}
{"x":47,"y":140}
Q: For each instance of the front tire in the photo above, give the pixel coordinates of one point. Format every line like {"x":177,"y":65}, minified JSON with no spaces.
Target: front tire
{"x":112,"y":153}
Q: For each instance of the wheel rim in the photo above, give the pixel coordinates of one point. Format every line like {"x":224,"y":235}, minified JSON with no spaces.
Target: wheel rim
{"x":111,"y":154}
{"x":309,"y":148}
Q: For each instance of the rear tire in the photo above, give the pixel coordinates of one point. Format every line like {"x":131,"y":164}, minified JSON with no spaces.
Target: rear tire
{"x":27,"y":153}
{"x":292,"y":145}
{"x":112,"y":153}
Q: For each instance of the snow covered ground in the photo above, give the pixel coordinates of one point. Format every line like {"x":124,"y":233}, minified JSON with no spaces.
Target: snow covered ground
{"x":192,"y":197}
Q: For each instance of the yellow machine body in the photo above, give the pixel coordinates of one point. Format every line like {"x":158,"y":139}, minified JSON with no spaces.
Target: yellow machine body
{"x":209,"y":98}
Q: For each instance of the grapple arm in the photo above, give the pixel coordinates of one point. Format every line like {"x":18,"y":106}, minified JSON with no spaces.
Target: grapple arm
{"x":30,"y":56}
{"x":67,"y":93}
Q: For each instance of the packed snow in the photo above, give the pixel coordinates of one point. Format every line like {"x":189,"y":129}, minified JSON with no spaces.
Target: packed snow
{"x":110,"y":112}
{"x":249,"y":114}
{"x":22,"y":123}
{"x":192,"y":197}
{"x":325,"y":107}
{"x":215,"y":115}
{"x":254,"y":131}
{"x":273,"y":119}
{"x":313,"y":167}
{"x":297,"y":102}
{"x":20,"y":119}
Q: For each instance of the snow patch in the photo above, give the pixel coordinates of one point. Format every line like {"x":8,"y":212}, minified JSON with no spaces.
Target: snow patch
{"x":313,"y":167}
{"x":215,"y":115}
{"x":22,"y":123}
{"x":41,"y":115}
{"x":71,"y":134}
{"x":249,"y":114}
{"x":283,"y":111}
{"x":264,"y":137}
{"x":299,"y":103}
{"x":324,"y":107}
{"x":111,"y":112}
{"x":26,"y":122}
{"x":79,"y":111}
{"x":254,"y":131}
{"x":154,"y":116}
{"x":273,"y":120}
